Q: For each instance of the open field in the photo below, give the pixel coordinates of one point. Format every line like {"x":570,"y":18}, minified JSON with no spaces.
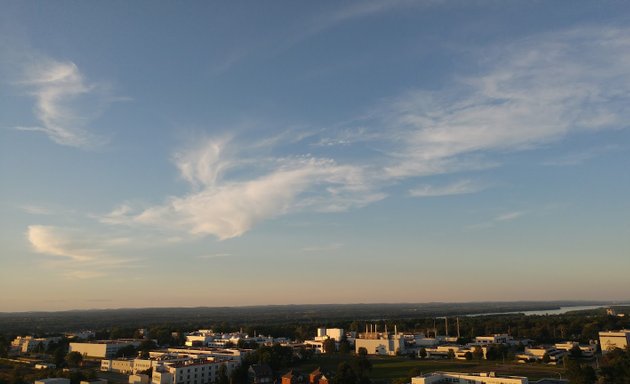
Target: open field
{"x":386,"y":369}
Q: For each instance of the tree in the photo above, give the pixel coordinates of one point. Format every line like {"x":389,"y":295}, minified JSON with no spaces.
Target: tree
{"x":575,"y":352}
{"x":546,"y":358}
{"x":451,"y":354}
{"x":468,"y":356}
{"x":478,"y":352}
{"x":615,"y":366}
{"x":74,"y":359}
{"x":146,"y":346}
{"x":362,"y":365}
{"x":127,"y":351}
{"x":222,"y":376}
{"x":329,"y":346}
{"x":423,"y":353}
{"x":578,"y":373}
{"x":344,"y":346}
{"x":345,"y":374}
{"x":362,"y":351}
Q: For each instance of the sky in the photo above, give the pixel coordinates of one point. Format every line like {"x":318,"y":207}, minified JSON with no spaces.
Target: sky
{"x":159,"y":154}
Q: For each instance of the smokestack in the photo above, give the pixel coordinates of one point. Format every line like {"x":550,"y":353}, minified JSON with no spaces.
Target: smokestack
{"x":458,"y":335}
{"x":446,"y":326}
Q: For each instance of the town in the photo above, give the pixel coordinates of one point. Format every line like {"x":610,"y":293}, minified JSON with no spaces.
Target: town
{"x":447,"y":351}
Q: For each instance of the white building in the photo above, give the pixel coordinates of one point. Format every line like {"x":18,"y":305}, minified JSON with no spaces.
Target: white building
{"x":191,"y":372}
{"x":139,"y":379}
{"x":219,"y":353}
{"x":94,"y":381}
{"x":25,"y":344}
{"x":104,"y":349}
{"x":53,"y":380}
{"x":468,"y":378}
{"x":118,"y":365}
{"x":498,"y":338}
{"x":537,"y":354}
{"x":609,"y":340}
{"x":329,"y":333}
{"x":380,"y":343}
{"x":588,"y":351}
{"x":443,"y":351}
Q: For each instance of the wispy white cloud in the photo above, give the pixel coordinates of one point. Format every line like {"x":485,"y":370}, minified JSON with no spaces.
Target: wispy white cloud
{"x":531,"y":94}
{"x":36,"y":210}
{"x":58,"y":242}
{"x":499,"y":219}
{"x":65,"y":102}
{"x":456,"y":188}
{"x":77,"y":252}
{"x":509,"y":216}
{"x":229,"y":206}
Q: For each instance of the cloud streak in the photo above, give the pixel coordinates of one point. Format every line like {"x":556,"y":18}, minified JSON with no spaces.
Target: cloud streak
{"x":460,"y":187}
{"x":77,"y":253}
{"x":65,"y":102}
{"x":531,"y":94}
{"x":227,"y":207}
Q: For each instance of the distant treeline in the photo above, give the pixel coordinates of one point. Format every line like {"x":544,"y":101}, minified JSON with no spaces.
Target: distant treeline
{"x":267,"y":316}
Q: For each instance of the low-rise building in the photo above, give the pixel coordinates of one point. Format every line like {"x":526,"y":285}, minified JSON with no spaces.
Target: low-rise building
{"x":609,"y":340}
{"x":444,"y":351}
{"x":93,"y":381}
{"x":587,"y":351}
{"x":497,"y":338}
{"x":545,"y":354}
{"x":329,"y":333}
{"x":53,"y":380}
{"x":468,"y":378}
{"x":118,"y":365}
{"x":380,"y":343}
{"x":26,"y":344}
{"x":139,"y":379}
{"x":193,"y":371}
{"x":104,"y":349}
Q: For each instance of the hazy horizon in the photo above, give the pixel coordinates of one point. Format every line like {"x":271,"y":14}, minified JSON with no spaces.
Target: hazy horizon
{"x":230,"y":154}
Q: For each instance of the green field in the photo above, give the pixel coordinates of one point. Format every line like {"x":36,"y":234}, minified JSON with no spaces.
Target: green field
{"x":386,"y":369}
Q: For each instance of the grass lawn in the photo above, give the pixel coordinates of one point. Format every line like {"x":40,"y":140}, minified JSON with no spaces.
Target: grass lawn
{"x":386,"y":369}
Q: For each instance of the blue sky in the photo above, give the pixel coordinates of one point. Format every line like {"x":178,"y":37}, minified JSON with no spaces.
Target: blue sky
{"x":171,"y":154}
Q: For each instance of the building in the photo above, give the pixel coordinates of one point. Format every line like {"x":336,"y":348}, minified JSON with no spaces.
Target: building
{"x":53,"y":380}
{"x":315,"y":345}
{"x":45,"y":366}
{"x":318,"y":377}
{"x":468,"y":378}
{"x":104,"y":349}
{"x":587,"y":351}
{"x":546,"y":354}
{"x":380,"y":343}
{"x":192,"y":371}
{"x":125,"y":366}
{"x":139,"y":379}
{"x":293,"y":377}
{"x":329,"y":333}
{"x":443,"y":351}
{"x":609,"y":340}
{"x":498,"y":338}
{"x":94,"y":381}
{"x":26,"y":344}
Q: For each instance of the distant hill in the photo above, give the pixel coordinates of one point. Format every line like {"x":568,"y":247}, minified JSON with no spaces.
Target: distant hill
{"x":36,"y":322}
